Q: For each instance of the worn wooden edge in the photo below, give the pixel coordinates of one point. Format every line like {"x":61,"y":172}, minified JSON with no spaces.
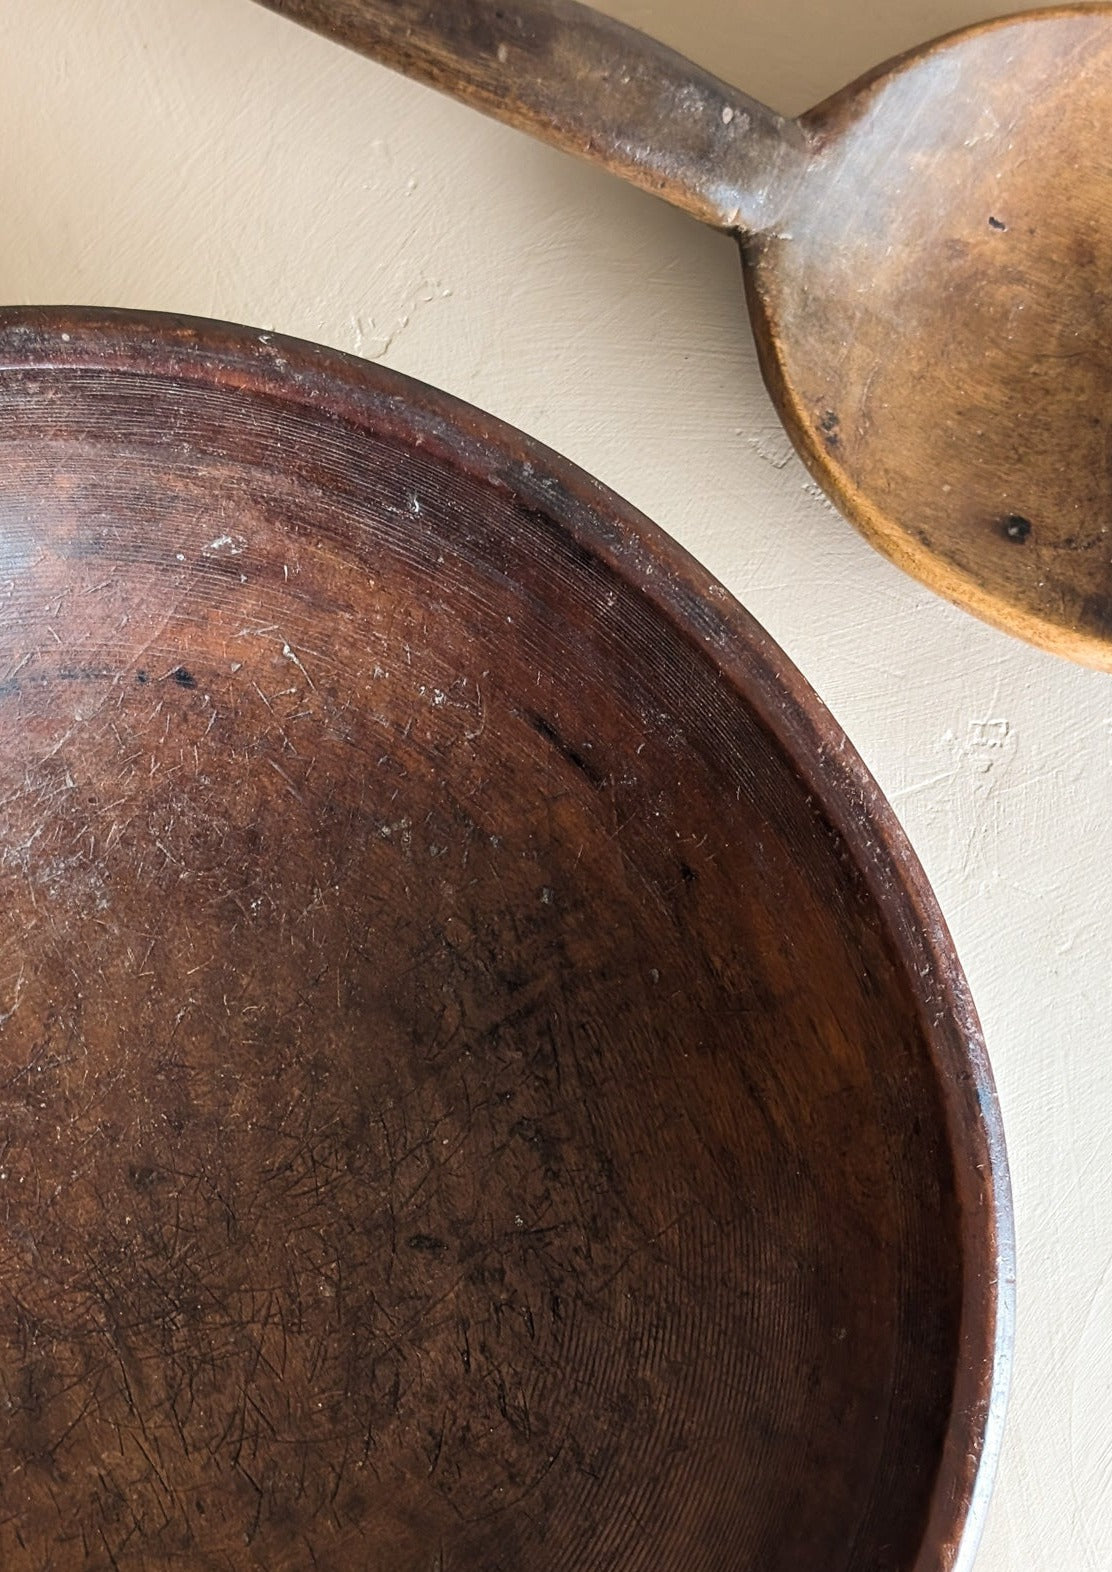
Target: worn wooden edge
{"x":890,"y":539}
{"x":372,"y":398}
{"x":829,"y":110}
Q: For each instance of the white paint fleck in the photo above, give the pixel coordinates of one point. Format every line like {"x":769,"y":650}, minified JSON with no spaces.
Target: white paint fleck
{"x":773,"y":445}
{"x":234,"y":545}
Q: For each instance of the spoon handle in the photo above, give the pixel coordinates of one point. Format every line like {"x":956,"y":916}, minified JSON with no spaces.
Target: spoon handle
{"x":585,"y":83}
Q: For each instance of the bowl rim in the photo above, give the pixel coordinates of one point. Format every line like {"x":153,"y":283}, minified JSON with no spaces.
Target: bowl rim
{"x":365,"y":395}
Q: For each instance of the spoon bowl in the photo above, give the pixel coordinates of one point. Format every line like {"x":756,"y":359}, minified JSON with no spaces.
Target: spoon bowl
{"x":933,"y":307}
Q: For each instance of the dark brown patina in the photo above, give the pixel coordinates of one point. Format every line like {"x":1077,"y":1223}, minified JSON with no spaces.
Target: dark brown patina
{"x":483,"y":1081}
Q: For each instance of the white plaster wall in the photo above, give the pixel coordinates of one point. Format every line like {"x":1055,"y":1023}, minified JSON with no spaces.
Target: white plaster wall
{"x":204,"y":156}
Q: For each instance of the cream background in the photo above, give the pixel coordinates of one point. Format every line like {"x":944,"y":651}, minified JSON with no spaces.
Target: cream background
{"x":204,"y":156}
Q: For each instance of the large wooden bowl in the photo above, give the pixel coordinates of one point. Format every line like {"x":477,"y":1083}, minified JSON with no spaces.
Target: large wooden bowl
{"x":484,"y":1085}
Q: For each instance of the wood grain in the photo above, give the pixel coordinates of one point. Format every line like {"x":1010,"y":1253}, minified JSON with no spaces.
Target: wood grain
{"x":483,"y":1081}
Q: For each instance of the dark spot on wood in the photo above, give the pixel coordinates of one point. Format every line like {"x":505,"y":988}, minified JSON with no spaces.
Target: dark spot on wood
{"x":688,"y":872}
{"x":584,"y":765}
{"x":142,"y":1176}
{"x":1096,"y":614}
{"x":142,"y":677}
{"x":829,"y":424}
{"x":1016,"y":528}
{"x":580,"y":555}
{"x":183,"y":677}
{"x":996,"y":223}
{"x":428,"y":1242}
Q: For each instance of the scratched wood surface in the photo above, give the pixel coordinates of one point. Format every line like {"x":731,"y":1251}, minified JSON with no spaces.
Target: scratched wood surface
{"x":483,"y":1084}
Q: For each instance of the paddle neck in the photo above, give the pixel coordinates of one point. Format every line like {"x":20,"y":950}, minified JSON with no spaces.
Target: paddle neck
{"x":586,"y":84}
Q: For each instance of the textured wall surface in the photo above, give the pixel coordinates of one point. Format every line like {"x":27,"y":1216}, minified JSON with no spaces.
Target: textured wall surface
{"x":203,"y":156}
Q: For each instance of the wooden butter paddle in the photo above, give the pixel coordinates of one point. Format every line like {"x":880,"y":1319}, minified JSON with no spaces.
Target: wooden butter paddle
{"x":926,"y":255}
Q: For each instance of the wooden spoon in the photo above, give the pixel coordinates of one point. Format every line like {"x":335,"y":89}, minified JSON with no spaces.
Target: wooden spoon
{"x":926,"y":259}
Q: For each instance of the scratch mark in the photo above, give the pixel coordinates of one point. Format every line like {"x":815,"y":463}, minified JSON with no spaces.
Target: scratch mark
{"x":289,"y":654}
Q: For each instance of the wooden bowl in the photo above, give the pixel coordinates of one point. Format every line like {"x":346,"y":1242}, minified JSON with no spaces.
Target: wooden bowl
{"x":485,"y":1084}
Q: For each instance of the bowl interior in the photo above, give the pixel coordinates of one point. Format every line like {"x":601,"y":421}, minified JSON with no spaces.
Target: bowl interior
{"x":463,"y":1106}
